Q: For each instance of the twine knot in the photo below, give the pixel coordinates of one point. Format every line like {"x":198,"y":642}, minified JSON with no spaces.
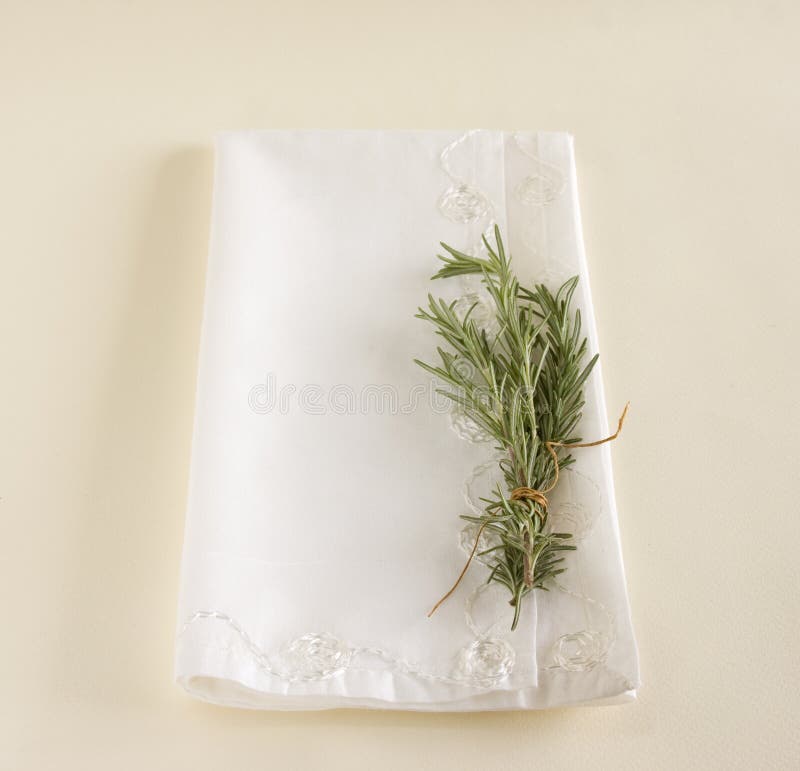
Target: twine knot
{"x":529,"y":494}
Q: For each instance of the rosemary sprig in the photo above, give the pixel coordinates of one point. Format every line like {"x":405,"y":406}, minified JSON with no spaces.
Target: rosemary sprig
{"x":524,"y":387}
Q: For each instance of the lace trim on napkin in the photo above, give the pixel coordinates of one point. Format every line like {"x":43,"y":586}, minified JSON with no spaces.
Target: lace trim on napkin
{"x":315,"y":656}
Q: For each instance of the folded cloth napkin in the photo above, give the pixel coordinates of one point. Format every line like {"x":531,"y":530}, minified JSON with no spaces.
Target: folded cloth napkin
{"x":328,"y":476}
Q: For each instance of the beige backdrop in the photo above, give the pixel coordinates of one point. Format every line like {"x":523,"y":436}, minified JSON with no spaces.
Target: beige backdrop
{"x":686,"y":117}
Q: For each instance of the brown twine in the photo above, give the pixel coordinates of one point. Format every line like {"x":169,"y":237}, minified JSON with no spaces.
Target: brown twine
{"x":531,"y":494}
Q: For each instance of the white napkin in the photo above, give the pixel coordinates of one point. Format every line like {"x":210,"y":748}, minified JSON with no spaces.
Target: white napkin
{"x":327,"y":481}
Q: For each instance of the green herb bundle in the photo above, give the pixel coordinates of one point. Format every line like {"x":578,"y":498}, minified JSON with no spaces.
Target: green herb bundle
{"x":523,"y":386}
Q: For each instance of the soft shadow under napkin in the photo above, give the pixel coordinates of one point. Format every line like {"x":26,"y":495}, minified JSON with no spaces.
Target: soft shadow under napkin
{"x":327,"y":475}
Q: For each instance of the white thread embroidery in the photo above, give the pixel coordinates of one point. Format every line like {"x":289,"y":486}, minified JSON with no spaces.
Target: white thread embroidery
{"x":575,"y":505}
{"x":486,"y":540}
{"x":316,"y":656}
{"x":583,"y":650}
{"x":321,"y":656}
{"x":485,"y":663}
{"x":487,"y":610}
{"x":481,"y":483}
{"x":543,"y":184}
{"x":541,"y":187}
{"x":463,"y":201}
{"x":480,"y":308}
{"x":466,"y":428}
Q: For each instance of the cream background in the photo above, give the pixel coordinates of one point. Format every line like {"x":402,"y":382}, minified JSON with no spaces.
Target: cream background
{"x":686,"y":117}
